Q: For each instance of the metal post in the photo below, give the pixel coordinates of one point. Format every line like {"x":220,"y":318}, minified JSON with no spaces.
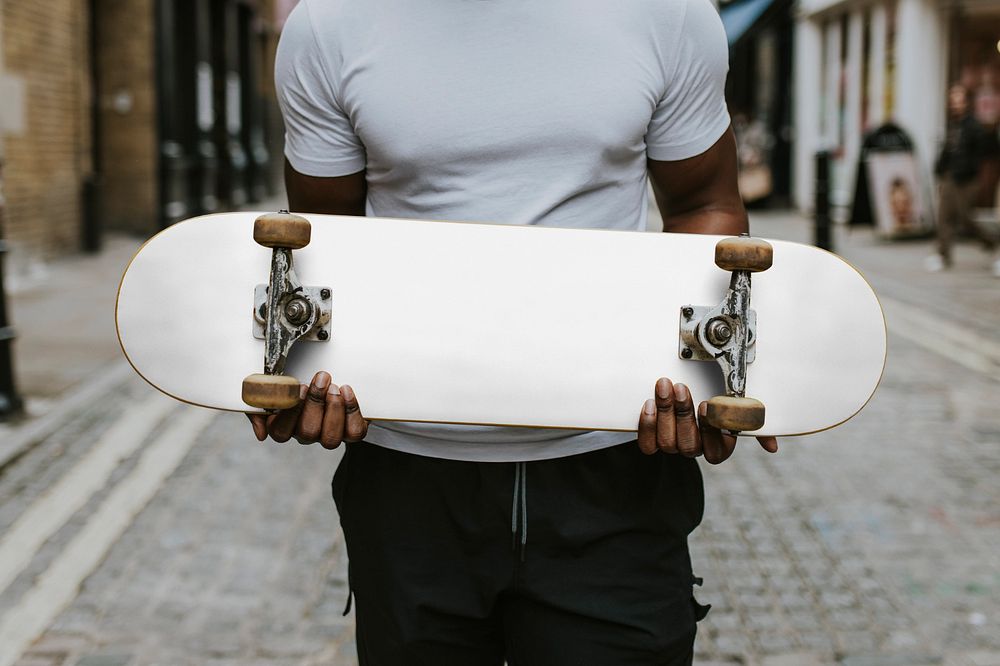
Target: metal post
{"x":206,"y":154}
{"x":91,"y":238}
{"x":176,"y":108}
{"x":824,"y":235}
{"x":252,"y":106}
{"x":235,"y":160}
{"x":10,"y":401}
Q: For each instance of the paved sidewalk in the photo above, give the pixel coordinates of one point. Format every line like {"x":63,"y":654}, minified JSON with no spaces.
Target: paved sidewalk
{"x":237,"y":560}
{"x":63,"y":314}
{"x":65,"y":322}
{"x":65,"y":318}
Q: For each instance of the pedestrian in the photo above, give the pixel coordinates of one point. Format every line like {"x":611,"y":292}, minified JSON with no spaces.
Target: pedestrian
{"x":956,"y":169}
{"x":475,"y":545}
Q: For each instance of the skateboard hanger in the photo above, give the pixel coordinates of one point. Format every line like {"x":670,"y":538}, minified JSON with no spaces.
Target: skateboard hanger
{"x":727,"y":333}
{"x":284,"y":311}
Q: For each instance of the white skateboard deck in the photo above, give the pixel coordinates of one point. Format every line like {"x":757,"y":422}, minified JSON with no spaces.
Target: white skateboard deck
{"x":499,"y":325}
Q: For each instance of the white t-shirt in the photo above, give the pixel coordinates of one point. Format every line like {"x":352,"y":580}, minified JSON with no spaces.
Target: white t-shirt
{"x":508,"y":111}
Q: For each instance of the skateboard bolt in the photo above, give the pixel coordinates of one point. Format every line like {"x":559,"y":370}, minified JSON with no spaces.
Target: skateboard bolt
{"x":296,"y":311}
{"x":719,"y":332}
{"x":322,"y":335}
{"x":324,"y":293}
{"x":687,"y":353}
{"x":687,"y":312}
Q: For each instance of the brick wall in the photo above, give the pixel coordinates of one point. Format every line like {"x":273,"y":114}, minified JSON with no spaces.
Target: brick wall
{"x":45,"y":45}
{"x":126,"y":77}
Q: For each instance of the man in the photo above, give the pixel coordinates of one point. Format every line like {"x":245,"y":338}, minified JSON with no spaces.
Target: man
{"x":957,"y":169}
{"x":472,"y":545}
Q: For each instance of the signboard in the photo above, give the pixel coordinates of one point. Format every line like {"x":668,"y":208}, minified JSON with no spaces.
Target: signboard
{"x":896,"y":195}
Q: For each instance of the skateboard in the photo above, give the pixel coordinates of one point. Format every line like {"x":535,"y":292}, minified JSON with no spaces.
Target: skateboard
{"x":500,"y":325}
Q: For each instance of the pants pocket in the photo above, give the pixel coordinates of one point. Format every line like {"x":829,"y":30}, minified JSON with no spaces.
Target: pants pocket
{"x":699,"y":610}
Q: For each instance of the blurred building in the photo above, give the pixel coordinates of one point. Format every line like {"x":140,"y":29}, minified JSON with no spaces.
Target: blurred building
{"x":132,"y":114}
{"x":758,"y":92}
{"x":861,"y":64}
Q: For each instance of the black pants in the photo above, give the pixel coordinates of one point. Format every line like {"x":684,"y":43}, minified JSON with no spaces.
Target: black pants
{"x":577,"y":561}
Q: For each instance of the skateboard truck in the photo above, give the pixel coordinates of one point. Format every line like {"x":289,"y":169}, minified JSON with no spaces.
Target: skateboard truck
{"x":284,"y":311}
{"x":727,"y":333}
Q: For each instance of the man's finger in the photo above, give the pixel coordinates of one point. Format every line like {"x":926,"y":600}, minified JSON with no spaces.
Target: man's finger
{"x":688,"y":437}
{"x":259,"y":424}
{"x":647,"y":428}
{"x":717,"y":446}
{"x":666,"y":423}
{"x":281,"y":427}
{"x":355,"y":426}
{"x":770,"y":444}
{"x":311,"y":416}
{"x":332,"y":433}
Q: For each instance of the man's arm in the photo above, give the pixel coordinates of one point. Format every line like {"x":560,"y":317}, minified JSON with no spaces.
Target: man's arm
{"x":340,"y":195}
{"x":327,"y":413}
{"x":698,"y":195}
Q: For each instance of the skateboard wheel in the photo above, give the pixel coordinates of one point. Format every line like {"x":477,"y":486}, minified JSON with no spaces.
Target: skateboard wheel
{"x":283,"y":230}
{"x":742,"y":253}
{"x":271,"y":391}
{"x":736,"y":414}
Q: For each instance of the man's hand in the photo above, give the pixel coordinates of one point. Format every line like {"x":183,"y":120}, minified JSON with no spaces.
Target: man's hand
{"x":327,"y":414}
{"x":668,"y":424}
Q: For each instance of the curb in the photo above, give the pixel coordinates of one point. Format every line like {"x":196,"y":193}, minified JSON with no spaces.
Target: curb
{"x":23,"y":437}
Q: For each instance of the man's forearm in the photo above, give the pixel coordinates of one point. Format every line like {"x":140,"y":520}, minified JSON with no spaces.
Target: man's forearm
{"x":722,"y":220}
{"x":340,"y":195}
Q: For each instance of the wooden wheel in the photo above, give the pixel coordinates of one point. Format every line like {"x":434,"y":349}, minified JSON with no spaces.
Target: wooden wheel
{"x":742,"y":253}
{"x":736,"y":414}
{"x":283,"y":230}
{"x":271,"y":391}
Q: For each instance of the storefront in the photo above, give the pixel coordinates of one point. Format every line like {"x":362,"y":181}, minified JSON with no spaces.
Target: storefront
{"x":859,"y":65}
{"x":184,"y":120}
{"x":214,"y":149}
{"x":758,"y":92}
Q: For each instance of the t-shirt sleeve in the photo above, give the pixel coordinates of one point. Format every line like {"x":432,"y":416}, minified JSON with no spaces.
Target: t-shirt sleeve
{"x":319,"y":137}
{"x":692,"y":114}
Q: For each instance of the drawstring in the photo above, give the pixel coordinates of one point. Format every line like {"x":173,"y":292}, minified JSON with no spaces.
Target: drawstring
{"x":524,"y":508}
{"x":520,"y":496}
{"x":513,"y":508}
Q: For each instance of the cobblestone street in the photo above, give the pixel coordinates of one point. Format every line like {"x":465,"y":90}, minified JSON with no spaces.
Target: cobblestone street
{"x":880,"y":537}
{"x":237,"y":560}
{"x":873,"y":544}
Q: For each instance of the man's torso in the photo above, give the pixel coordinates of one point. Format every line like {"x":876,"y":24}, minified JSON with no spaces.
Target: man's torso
{"x":510,"y":112}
